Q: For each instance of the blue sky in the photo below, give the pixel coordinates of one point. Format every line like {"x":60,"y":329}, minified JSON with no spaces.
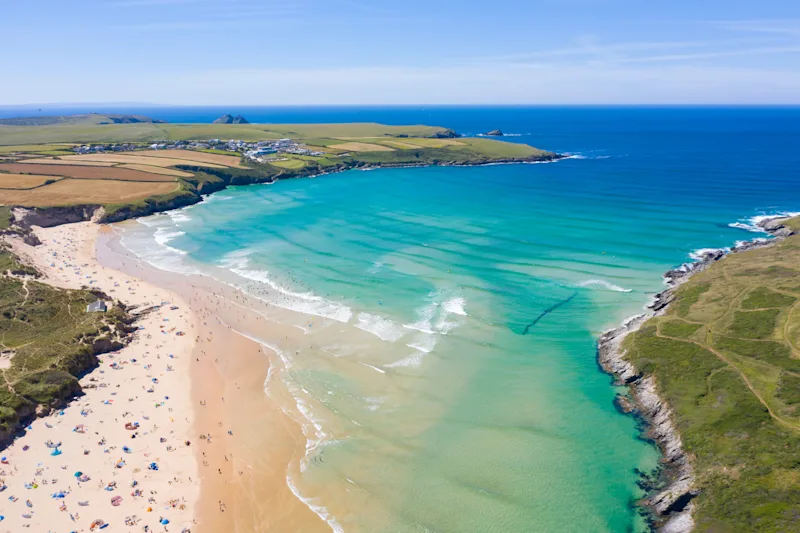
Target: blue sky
{"x":271,"y":52}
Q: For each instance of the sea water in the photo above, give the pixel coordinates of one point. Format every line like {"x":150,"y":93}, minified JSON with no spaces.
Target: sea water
{"x":449,"y":379}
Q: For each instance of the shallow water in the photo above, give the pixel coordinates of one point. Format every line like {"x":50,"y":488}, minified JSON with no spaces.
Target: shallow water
{"x":448,"y":379}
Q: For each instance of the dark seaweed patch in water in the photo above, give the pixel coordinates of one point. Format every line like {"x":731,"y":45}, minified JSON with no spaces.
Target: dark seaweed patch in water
{"x":547,"y":312}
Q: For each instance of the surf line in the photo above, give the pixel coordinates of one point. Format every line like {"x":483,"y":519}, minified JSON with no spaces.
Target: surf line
{"x":547,"y":312}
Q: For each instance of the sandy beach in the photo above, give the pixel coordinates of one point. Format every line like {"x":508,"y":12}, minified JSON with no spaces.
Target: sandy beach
{"x":209,"y":450}
{"x":123,"y":452}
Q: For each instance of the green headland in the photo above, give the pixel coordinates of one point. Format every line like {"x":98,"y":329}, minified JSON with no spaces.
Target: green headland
{"x":724,"y":357}
{"x":45,"y":162}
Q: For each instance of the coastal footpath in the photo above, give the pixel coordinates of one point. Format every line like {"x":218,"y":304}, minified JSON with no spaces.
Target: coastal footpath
{"x":712,"y":370}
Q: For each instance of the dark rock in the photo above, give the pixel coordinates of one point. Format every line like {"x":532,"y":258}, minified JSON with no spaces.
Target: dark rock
{"x":31,"y":239}
{"x":230,"y":119}
{"x":445,"y":134}
{"x":105,"y":345}
{"x":495,"y":133}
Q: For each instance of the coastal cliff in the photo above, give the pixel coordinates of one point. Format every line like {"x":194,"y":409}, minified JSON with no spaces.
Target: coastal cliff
{"x":670,"y":502}
{"x":207,"y":181}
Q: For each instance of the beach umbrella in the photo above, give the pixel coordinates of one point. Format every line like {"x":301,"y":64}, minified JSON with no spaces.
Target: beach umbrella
{"x":78,"y":473}
{"x":164,"y":521}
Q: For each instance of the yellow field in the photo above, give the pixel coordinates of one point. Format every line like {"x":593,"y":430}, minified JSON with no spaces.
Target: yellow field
{"x":433,"y":143}
{"x":71,"y":192}
{"x":23,"y":181}
{"x":33,"y":148}
{"x":361,"y":147}
{"x":140,"y":160}
{"x":327,"y":150}
{"x":292,"y":164}
{"x":157,"y":170}
{"x":53,"y":161}
{"x":191,"y":155}
{"x":402,"y":145}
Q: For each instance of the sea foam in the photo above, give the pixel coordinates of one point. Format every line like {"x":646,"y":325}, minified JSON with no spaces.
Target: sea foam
{"x":302,"y":302}
{"x":698,"y":254}
{"x":752,"y":223}
{"x":381,"y":327}
{"x":603,"y":283}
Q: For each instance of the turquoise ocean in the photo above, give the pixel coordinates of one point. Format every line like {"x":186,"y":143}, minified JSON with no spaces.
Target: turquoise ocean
{"x":449,"y":381}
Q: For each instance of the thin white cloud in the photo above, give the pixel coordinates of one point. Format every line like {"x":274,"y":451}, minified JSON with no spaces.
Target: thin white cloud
{"x":485,"y":84}
{"x":766,"y":51}
{"x":790,"y":27}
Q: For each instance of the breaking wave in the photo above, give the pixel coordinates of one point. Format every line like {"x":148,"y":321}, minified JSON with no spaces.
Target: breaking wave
{"x":698,"y":254}
{"x":604,"y":284}
{"x":752,"y":223}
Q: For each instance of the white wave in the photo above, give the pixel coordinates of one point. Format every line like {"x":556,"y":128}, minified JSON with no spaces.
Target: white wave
{"x":455,"y":306}
{"x":413,"y":360}
{"x":425,"y":316}
{"x":746,"y":227}
{"x":698,"y":254}
{"x":320,"y":510}
{"x":445,"y":326}
{"x":151,"y":221}
{"x":383,"y":328}
{"x":752,"y":223}
{"x":179,"y":216}
{"x":376,"y":266}
{"x":162,"y":236}
{"x":604,"y":284}
{"x":375,"y":368}
{"x":303,"y":302}
{"x":437,"y":317}
{"x":162,"y":256}
{"x":423,"y":343}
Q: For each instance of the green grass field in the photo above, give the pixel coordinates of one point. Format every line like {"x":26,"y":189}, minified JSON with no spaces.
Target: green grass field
{"x":399,"y":145}
{"x":51,"y":339}
{"x":140,"y":132}
{"x":726,"y":356}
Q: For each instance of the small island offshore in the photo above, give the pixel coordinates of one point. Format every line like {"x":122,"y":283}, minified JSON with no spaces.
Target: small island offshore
{"x":108,"y":417}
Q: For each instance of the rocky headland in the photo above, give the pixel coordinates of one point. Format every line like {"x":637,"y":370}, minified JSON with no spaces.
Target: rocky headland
{"x":670,"y":502}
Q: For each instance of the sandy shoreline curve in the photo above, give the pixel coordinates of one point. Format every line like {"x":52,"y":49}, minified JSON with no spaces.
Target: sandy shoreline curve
{"x":127,"y":478}
{"x":196,"y":388}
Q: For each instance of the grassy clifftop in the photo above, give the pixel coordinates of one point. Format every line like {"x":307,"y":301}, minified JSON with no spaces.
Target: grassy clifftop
{"x":73,"y":130}
{"x":40,"y":171}
{"x":726,"y":358}
{"x":47,"y":340}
